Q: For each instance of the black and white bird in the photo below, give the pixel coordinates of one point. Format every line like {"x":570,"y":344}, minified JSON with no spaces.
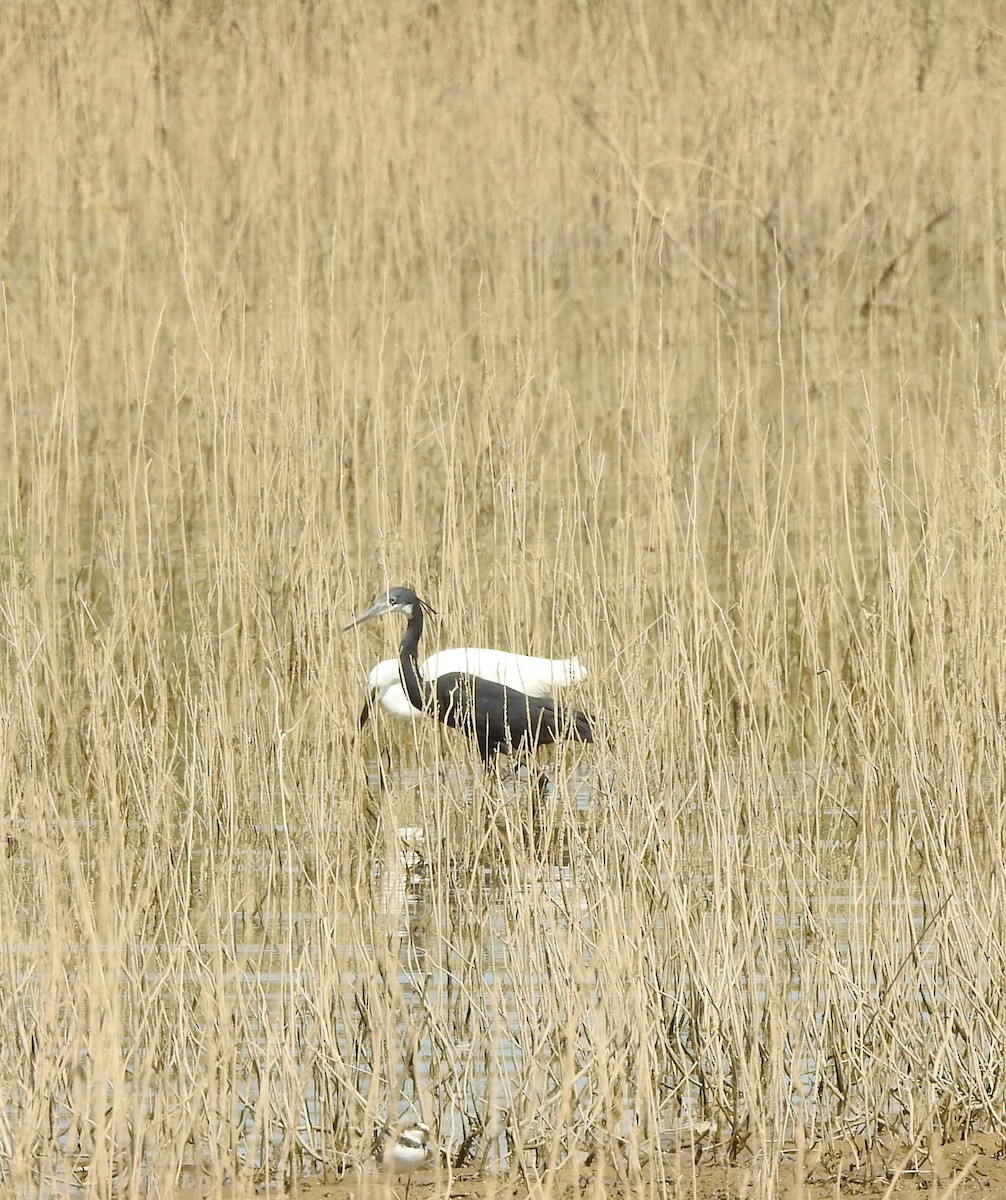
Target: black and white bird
{"x":499,"y":719}
{"x":404,"y":1149}
{"x":522,"y":672}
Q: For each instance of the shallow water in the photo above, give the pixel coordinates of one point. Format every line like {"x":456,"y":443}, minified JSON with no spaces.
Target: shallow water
{"x":436,"y":991}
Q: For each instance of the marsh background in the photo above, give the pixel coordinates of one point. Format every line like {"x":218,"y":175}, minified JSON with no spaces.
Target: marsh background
{"x":669,"y":334}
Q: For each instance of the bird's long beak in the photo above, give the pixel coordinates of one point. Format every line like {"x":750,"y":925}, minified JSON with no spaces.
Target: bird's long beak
{"x":378,"y":608}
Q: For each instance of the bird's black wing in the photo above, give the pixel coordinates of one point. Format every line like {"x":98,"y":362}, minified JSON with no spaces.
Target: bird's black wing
{"x":502,"y":720}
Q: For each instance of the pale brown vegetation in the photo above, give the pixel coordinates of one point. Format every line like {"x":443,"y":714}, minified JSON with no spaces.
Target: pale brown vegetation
{"x":669,"y":334}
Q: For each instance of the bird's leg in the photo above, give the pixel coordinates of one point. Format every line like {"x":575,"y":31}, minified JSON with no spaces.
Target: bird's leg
{"x":383,"y":760}
{"x":541,"y":780}
{"x":538,"y":784}
{"x":371,"y":816}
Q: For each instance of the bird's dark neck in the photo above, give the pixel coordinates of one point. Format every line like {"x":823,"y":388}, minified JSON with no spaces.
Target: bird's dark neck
{"x":417,"y":689}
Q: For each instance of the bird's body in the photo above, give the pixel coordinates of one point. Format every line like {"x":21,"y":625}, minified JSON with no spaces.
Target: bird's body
{"x":404,"y":1149}
{"x":499,"y":719}
{"x":523,"y":672}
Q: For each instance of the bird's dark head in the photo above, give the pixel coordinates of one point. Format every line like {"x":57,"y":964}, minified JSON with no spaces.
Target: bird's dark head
{"x":399,"y":599}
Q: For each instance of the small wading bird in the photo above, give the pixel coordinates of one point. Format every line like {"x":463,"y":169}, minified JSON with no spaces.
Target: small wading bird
{"x":499,"y":719}
{"x":522,"y":672}
{"x":405,"y":1148}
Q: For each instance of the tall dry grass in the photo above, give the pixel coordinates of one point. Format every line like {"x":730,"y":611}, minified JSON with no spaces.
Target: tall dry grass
{"x":672,"y":335}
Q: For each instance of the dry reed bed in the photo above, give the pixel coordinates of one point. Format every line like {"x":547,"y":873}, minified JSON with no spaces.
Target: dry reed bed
{"x":670,"y":337}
